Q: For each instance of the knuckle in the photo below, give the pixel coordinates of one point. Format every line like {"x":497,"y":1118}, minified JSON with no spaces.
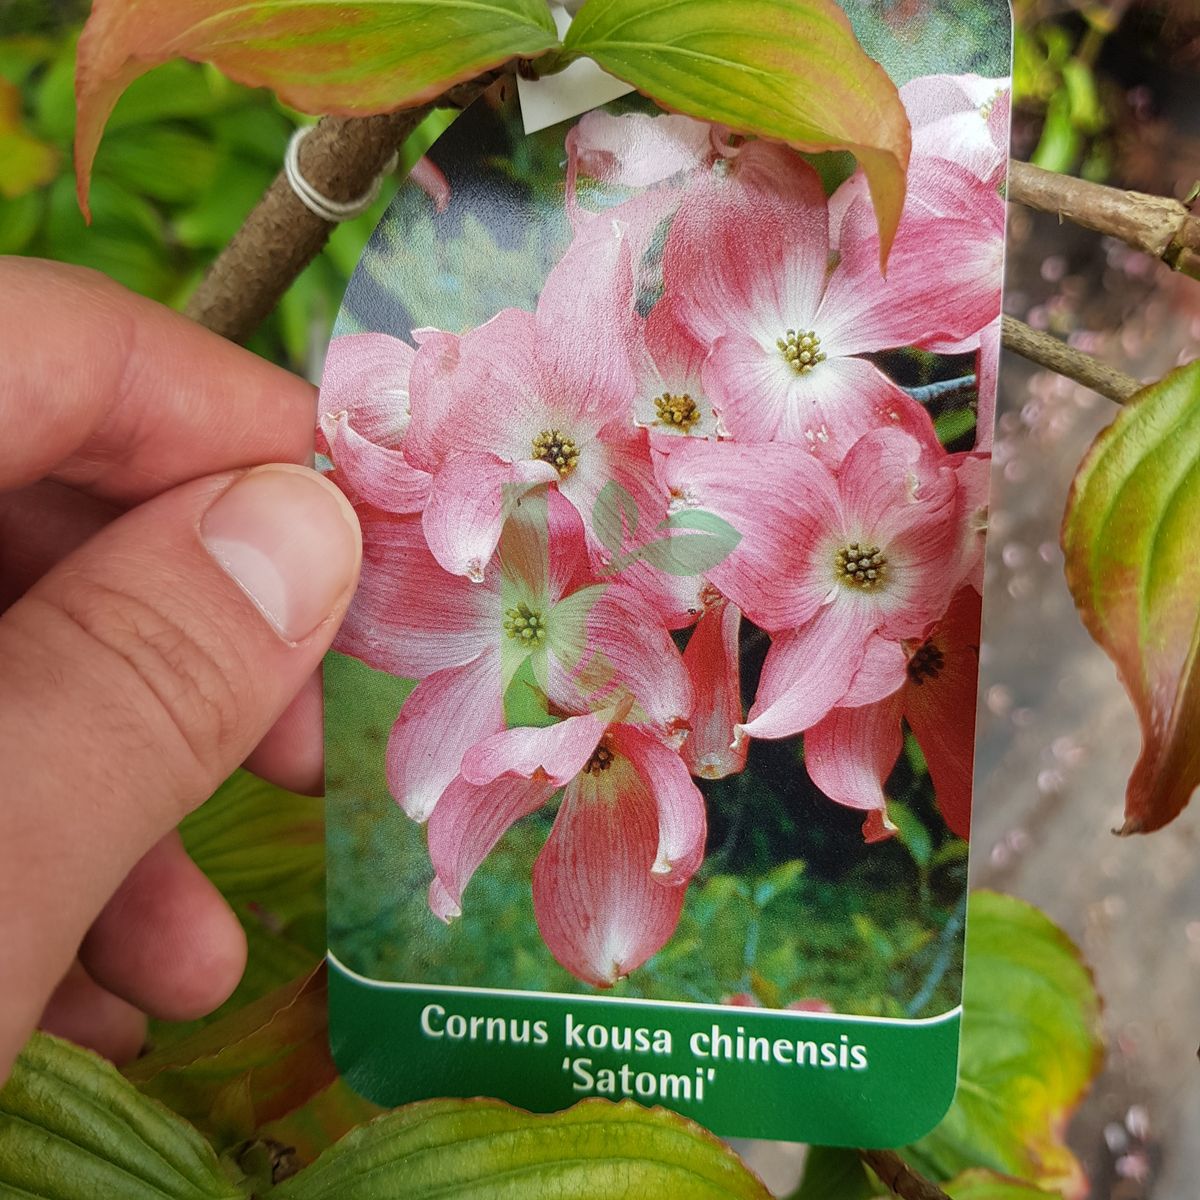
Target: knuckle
{"x":176,"y":679}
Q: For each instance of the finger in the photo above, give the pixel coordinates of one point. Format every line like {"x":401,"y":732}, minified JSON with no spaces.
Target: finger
{"x":123,"y":398}
{"x":293,"y":752}
{"x":136,"y":675}
{"x":43,"y":523}
{"x":167,"y":942}
{"x":84,"y":1013}
{"x":39,"y":526}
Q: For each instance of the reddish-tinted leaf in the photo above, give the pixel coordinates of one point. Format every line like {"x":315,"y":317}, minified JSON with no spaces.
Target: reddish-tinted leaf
{"x":352,"y":57}
{"x":1130,"y":541}
{"x":791,"y":70}
{"x":250,"y":1068}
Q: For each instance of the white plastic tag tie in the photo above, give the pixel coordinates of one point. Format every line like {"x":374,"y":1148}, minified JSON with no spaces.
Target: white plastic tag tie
{"x":333,"y":211}
{"x":580,"y":88}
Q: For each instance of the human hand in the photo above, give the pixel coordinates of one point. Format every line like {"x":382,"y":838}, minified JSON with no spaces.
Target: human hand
{"x":164,"y":604}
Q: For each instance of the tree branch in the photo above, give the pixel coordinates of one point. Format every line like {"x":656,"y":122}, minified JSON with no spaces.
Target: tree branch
{"x":899,"y":1177}
{"x":1156,"y":225}
{"x":341,"y":158}
{"x":1049,"y":352}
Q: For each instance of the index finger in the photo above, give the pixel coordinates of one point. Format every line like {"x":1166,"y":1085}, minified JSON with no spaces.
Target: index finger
{"x":118,"y":396}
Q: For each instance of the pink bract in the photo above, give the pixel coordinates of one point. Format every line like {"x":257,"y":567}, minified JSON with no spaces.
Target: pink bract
{"x":609,"y":884}
{"x":363,"y":417}
{"x":538,"y":603}
{"x":963,"y":118}
{"x":852,"y":751}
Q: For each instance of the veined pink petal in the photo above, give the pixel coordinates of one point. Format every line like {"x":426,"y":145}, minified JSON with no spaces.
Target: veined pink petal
{"x":780,"y":499}
{"x":557,"y":753}
{"x":944,"y":272}
{"x":445,"y":716}
{"x":585,"y":326}
{"x":850,"y":754}
{"x":987,"y":378}
{"x":598,"y":906}
{"x":470,"y":497}
{"x":713,"y":664}
{"x":429,"y":177}
{"x":367,"y":377}
{"x":637,"y":149}
{"x":960,"y":117}
{"x":374,"y":473}
{"x":808,"y":670}
{"x":682,"y":822}
{"x":630,"y":655}
{"x":748,"y":251}
{"x":466,"y":825}
{"x":570,"y":565}
{"x":410,"y":617}
{"x":974,"y":481}
{"x":939,"y":705}
{"x":882,"y":673}
{"x":676,"y":599}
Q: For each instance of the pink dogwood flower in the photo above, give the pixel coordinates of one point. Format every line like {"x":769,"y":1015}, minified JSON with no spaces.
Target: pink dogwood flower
{"x":852,"y":751}
{"x":609,"y":884}
{"x":747,"y":269}
{"x":538,"y":603}
{"x":362,"y":419}
{"x":528,"y":399}
{"x":840,"y":567}
{"x":713,"y":662}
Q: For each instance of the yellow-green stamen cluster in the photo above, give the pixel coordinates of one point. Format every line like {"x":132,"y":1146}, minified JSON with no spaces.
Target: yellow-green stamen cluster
{"x":554,"y":447}
{"x":862,"y":567}
{"x":802,"y":349}
{"x":680,"y":412}
{"x":985,"y":109}
{"x":600,"y":761}
{"x":524,"y":625}
{"x":926,"y":663}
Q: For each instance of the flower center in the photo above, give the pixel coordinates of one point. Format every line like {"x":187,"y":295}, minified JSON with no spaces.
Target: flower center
{"x":985,"y":109}
{"x":554,"y":447}
{"x":801,"y":349}
{"x":524,"y":625}
{"x":600,"y":761}
{"x":680,"y":411}
{"x":862,"y":567}
{"x":926,"y":663}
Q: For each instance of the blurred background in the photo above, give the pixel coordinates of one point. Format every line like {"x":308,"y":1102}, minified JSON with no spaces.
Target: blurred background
{"x":1105,"y":90}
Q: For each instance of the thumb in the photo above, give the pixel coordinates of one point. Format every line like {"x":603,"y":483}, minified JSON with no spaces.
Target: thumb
{"x":134,"y":678}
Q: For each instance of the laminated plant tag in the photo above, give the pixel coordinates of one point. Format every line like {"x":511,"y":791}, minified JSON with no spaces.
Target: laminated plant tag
{"x":650,"y":729}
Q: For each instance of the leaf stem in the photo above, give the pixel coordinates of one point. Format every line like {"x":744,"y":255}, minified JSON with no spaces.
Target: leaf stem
{"x":899,"y":1177}
{"x":1156,"y":225}
{"x":1055,"y":355}
{"x":341,"y":158}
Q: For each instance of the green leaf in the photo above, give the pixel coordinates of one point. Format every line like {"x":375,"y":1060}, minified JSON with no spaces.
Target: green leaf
{"x":831,"y":1174}
{"x":70,"y":1126}
{"x":456,"y":1149}
{"x":614,"y":516}
{"x":352,"y":57}
{"x":260,"y":845}
{"x":911,"y":832}
{"x":1030,"y":1047}
{"x":791,"y":70}
{"x":254,"y":1066}
{"x":692,"y":553}
{"x":25,"y":162}
{"x":1130,"y":543}
{"x":986,"y":1185}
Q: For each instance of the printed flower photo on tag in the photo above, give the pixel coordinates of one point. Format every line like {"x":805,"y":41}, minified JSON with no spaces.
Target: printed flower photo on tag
{"x":650,"y":730}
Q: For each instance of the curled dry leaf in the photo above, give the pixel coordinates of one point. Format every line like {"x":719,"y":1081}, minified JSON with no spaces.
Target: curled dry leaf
{"x":1132,"y":566}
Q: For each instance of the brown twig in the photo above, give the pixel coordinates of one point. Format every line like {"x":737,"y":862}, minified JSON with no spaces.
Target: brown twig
{"x":1049,"y":352}
{"x":1156,"y":225}
{"x":899,"y":1177}
{"x":341,"y":158}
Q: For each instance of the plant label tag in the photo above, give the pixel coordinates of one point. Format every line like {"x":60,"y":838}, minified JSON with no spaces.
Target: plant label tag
{"x":650,"y":729}
{"x":557,"y":98}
